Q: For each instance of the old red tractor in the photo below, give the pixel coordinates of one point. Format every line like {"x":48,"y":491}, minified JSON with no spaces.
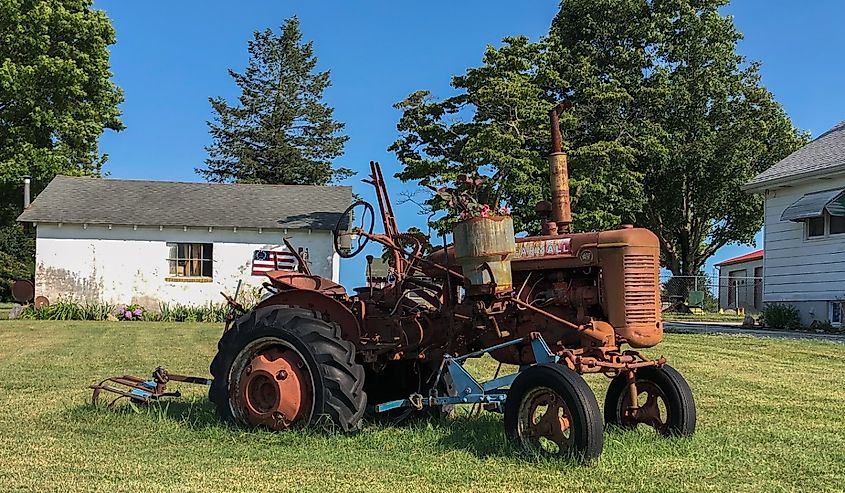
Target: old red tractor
{"x":555,"y":306}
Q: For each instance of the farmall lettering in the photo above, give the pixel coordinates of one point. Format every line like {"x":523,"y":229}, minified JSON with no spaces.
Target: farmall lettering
{"x":543,"y":248}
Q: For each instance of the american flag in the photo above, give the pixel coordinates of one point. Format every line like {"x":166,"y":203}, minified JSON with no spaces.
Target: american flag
{"x":264,"y":261}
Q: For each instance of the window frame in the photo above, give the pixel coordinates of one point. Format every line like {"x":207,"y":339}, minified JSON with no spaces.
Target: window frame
{"x":829,"y":224}
{"x":204,"y":261}
{"x":807,"y":235}
{"x":827,"y":233}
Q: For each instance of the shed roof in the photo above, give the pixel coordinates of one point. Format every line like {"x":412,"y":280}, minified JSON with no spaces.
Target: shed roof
{"x":71,"y":199}
{"x":747,"y":257}
{"x":824,"y":155}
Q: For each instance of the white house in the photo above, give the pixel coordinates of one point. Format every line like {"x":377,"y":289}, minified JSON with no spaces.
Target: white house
{"x":148,"y":242}
{"x":804,"y":232}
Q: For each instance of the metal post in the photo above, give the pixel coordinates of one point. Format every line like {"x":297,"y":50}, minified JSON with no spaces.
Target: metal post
{"x":26,"y":195}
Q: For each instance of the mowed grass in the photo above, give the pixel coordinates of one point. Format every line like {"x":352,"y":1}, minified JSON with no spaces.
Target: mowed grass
{"x":771,"y":418}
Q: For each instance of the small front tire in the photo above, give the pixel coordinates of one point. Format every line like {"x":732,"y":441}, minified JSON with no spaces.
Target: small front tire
{"x":664,"y":398}
{"x":552,"y":410}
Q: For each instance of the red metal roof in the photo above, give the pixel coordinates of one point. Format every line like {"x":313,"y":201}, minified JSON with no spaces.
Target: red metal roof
{"x":757,"y":255}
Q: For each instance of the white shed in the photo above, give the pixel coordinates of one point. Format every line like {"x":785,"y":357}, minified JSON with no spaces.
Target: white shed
{"x":151,"y":242}
{"x":804,"y":228}
{"x":741,"y":282}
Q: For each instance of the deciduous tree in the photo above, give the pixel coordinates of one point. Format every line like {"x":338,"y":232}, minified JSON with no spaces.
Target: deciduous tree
{"x":668,"y":122}
{"x":56,"y":99}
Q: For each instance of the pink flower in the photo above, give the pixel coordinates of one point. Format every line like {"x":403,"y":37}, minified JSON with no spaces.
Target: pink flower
{"x":138,"y":312}
{"x":504,"y":211}
{"x":485,"y":210}
{"x":128,"y":315}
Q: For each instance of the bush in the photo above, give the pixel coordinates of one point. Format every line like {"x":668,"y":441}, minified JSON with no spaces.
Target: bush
{"x":826,"y":327}
{"x":781,"y":316}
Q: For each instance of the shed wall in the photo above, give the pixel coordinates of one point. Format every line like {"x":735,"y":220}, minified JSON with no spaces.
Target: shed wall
{"x":127,"y":264}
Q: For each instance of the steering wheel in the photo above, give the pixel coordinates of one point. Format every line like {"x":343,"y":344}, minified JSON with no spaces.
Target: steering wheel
{"x":344,"y":229}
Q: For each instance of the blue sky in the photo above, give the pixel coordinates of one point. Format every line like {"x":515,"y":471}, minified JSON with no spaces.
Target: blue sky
{"x":171,"y":56}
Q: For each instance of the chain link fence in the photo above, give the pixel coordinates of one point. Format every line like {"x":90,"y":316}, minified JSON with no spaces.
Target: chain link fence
{"x":712,"y":293}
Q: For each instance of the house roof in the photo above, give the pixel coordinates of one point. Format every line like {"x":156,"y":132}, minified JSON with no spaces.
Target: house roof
{"x":822,"y":156}
{"x":166,"y":203}
{"x":756,"y":255}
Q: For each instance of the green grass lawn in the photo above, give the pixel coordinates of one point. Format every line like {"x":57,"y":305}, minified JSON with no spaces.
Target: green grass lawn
{"x":703,"y":317}
{"x":771,"y":418}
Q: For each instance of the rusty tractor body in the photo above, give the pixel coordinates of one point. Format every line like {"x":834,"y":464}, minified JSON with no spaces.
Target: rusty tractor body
{"x":312,"y":353}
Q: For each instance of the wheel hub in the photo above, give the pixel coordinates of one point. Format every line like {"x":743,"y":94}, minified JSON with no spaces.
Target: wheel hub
{"x":544,"y":421}
{"x":651,"y":407}
{"x":275,"y":389}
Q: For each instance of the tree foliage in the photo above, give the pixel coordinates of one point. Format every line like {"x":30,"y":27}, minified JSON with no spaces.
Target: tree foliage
{"x":56,"y":98}
{"x":280,"y":131}
{"x":498,"y":126}
{"x":668,"y":122}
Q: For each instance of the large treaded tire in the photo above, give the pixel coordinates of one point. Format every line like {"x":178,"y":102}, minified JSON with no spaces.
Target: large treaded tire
{"x":679,"y":401}
{"x":586,"y":424}
{"x":339,"y":400}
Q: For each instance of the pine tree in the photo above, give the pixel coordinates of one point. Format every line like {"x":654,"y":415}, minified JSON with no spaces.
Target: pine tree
{"x":280,"y":132}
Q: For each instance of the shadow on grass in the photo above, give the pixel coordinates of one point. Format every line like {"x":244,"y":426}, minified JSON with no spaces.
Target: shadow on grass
{"x":482,"y":436}
{"x":194,"y":414}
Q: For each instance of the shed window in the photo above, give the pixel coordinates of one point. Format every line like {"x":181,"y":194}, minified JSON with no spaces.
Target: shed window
{"x":190,"y":259}
{"x":815,"y":227}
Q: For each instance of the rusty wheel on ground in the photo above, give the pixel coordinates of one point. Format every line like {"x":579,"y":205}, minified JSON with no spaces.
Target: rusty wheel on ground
{"x":280,"y":367}
{"x":551,"y":409}
{"x":664,"y":402}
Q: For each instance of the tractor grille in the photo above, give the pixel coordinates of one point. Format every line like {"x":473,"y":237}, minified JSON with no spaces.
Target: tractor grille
{"x":641,"y":277}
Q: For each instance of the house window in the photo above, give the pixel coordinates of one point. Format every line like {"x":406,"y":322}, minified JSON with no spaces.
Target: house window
{"x":190,"y":260}
{"x":836,"y":313}
{"x":815,"y":227}
{"x":837,"y":225}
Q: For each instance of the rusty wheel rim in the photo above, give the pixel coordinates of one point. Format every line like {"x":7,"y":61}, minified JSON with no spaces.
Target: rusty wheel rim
{"x":544,"y":422}
{"x":272,"y":386}
{"x":652,"y":409}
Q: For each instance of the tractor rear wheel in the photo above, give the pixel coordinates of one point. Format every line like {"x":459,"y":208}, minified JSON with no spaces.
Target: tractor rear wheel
{"x":665,"y":402}
{"x":552,"y":410}
{"x":280,"y":367}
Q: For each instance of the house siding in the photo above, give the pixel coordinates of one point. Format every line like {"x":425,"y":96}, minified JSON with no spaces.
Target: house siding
{"x":807,"y":273}
{"x":127,"y":264}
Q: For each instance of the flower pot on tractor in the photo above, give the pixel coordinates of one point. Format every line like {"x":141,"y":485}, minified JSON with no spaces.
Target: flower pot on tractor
{"x":556,"y":306}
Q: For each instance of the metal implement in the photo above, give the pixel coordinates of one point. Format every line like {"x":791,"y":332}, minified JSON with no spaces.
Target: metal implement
{"x":465,"y":389}
{"x":142,"y":390}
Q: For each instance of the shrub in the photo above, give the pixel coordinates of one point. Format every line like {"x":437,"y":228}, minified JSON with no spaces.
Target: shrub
{"x":826,"y":327}
{"x":781,"y":316}
{"x":130,"y":312}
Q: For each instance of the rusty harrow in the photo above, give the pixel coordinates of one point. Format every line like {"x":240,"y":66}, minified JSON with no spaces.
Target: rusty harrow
{"x":140,"y":390}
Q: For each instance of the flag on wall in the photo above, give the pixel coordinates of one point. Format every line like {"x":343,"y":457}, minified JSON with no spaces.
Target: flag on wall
{"x":264,"y":261}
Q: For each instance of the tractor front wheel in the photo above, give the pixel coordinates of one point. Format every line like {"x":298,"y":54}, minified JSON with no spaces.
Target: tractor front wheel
{"x":552,"y":410}
{"x":664,"y":402}
{"x":280,"y":367}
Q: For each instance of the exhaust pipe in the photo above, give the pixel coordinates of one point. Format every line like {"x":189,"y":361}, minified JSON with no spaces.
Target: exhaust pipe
{"x":26,"y":195}
{"x":559,"y":173}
